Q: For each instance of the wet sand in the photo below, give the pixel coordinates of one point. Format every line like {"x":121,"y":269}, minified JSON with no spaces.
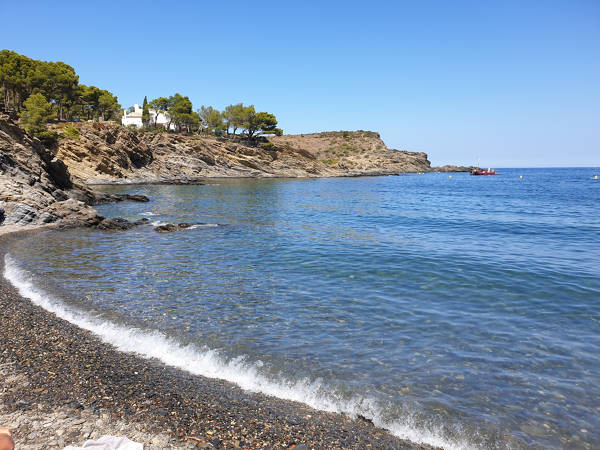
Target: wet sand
{"x":59,"y":385}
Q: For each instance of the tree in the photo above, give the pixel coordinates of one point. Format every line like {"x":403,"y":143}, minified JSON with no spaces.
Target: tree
{"x":191,"y":121}
{"x":212,"y":120}
{"x":234,"y":117}
{"x":145,"y":113}
{"x":36,"y":114}
{"x":180,"y":110}
{"x":160,"y":105}
{"x":21,"y":76}
{"x":108,"y":105}
{"x":257,"y":124}
{"x":16,"y":78}
{"x":56,"y":80}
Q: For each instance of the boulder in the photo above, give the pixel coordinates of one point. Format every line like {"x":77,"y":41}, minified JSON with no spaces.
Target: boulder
{"x":118,"y":223}
{"x":166,"y":228}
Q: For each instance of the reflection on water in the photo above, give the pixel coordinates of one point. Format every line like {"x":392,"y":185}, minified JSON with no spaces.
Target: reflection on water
{"x":470,"y":305}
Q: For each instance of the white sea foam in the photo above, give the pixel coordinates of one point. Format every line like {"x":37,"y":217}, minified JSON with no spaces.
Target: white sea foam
{"x":150,"y":213}
{"x":203,"y":225}
{"x":209,"y":363}
{"x":158,"y":223}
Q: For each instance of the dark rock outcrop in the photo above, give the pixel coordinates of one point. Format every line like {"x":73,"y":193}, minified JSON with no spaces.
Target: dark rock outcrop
{"x":36,"y":187}
{"x":453,"y":168}
{"x":166,"y":228}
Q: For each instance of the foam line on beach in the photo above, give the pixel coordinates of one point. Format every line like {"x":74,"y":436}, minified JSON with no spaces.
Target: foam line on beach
{"x":209,"y":363}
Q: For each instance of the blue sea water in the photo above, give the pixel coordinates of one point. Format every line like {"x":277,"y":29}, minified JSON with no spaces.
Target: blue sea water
{"x":456,"y":310}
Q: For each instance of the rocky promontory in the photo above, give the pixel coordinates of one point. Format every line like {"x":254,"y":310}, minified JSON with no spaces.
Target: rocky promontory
{"x":107,"y":153}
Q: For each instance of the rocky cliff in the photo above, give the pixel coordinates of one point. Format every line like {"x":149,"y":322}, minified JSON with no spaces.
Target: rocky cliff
{"x":114,"y":154}
{"x":36,"y":187}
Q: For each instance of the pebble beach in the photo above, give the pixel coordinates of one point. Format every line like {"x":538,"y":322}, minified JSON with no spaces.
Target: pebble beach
{"x":60,"y":385}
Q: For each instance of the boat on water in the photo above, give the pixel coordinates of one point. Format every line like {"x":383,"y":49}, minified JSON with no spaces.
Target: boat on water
{"x":479,"y":171}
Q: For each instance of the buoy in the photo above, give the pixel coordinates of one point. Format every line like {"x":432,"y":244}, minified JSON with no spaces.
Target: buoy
{"x":595,"y":177}
{"x":449,"y":176}
{"x":521,"y":177}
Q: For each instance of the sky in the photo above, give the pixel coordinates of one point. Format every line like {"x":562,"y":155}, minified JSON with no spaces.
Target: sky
{"x":509,"y":83}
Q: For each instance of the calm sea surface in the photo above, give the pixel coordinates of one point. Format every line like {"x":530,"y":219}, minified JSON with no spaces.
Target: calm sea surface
{"x":460,"y":311}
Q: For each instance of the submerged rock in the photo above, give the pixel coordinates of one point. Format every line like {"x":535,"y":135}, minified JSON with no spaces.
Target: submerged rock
{"x":118,"y":223}
{"x":166,"y":228}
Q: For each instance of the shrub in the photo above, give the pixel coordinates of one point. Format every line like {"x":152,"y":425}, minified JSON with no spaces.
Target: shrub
{"x":268,"y":146}
{"x":48,"y":137}
{"x":70,"y":132}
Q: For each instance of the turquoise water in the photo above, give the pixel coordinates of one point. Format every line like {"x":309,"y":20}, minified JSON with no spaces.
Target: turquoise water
{"x":460,"y":311}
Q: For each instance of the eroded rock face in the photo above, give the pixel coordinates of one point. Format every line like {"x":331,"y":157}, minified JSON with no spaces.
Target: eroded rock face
{"x":36,"y":187}
{"x":113,"y":154}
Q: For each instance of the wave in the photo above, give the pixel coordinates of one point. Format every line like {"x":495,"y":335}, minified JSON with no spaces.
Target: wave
{"x":159,"y":223}
{"x":210,"y":363}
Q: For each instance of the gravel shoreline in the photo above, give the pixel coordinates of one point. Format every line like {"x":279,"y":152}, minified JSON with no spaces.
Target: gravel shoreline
{"x":59,"y":385}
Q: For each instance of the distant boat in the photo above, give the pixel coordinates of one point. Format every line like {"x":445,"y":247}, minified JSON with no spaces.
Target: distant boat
{"x":479,"y":171}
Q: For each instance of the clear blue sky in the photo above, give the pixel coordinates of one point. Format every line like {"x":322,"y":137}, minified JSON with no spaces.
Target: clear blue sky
{"x":515,"y":83}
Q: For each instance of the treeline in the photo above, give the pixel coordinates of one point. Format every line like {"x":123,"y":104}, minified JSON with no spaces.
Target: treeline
{"x":208,"y":120}
{"x":55,"y":82}
{"x":42,"y":91}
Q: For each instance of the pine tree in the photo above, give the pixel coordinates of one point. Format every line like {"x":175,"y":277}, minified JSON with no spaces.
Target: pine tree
{"x":145,"y":113}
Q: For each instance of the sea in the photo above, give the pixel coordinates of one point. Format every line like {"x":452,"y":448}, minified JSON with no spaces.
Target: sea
{"x":450,"y":309}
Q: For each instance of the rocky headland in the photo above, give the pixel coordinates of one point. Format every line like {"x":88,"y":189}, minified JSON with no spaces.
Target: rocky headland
{"x":105,"y":153}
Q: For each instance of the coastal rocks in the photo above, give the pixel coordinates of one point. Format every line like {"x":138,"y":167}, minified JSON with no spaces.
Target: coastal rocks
{"x":169,"y":227}
{"x":117,"y":223}
{"x":75,"y":213}
{"x":36,"y":187}
{"x":166,"y":228}
{"x":114,"y":154}
{"x":135,"y":198}
{"x":31,"y":179}
{"x":453,"y":168}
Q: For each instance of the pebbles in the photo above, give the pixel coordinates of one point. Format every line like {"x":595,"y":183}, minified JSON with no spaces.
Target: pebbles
{"x":52,"y":372}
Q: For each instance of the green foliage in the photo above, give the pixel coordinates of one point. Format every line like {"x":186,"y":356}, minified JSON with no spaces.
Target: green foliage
{"x":268,"y":146}
{"x":145,"y":113}
{"x":212,"y":120}
{"x":180,"y":111}
{"x":70,"y":132}
{"x":37,"y":113}
{"x":233,"y":115}
{"x":21,"y":76}
{"x":108,"y":105}
{"x":48,"y":137}
{"x":257,"y":124}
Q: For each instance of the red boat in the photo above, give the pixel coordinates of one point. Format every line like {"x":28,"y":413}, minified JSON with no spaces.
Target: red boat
{"x":483,"y":172}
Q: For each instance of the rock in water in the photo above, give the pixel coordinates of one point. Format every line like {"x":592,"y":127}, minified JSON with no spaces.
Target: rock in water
{"x":166,"y":228}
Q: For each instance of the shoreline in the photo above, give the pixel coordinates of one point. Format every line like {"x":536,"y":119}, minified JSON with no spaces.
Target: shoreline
{"x":62,"y":384}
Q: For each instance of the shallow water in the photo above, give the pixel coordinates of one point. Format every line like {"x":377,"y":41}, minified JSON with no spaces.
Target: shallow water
{"x":461,"y":311}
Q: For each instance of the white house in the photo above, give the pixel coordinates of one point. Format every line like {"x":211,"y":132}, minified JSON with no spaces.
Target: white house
{"x":135,"y":118}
